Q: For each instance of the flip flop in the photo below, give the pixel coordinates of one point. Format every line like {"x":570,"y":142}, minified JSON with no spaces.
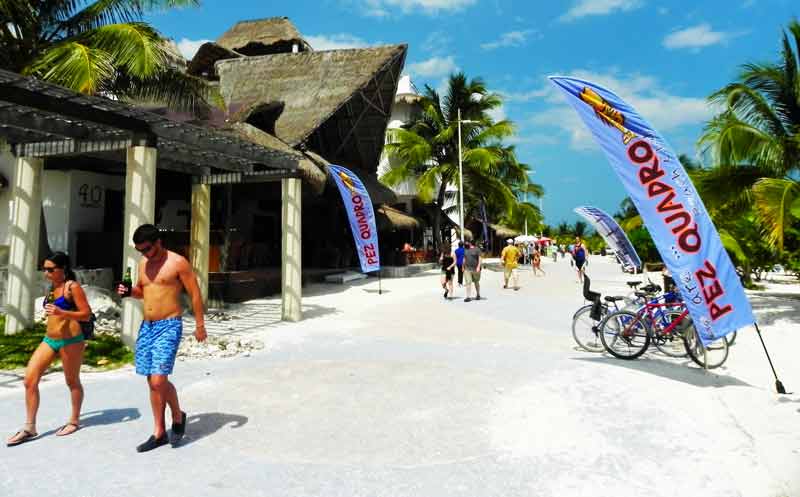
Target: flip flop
{"x":26,"y":436}
{"x":60,"y":431}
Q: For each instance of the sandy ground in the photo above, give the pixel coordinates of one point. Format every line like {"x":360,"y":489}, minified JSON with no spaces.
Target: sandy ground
{"x":406,"y":394}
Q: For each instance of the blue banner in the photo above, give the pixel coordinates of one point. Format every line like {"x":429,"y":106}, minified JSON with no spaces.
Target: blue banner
{"x":670,"y":208}
{"x":361,"y":215}
{"x":608,"y":228}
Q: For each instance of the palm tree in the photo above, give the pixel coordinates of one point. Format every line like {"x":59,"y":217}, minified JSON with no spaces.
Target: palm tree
{"x":755,"y":142}
{"x":427,"y":150}
{"x":98,"y":47}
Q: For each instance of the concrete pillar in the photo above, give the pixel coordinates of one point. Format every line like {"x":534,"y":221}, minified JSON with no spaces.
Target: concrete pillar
{"x":291,"y":262}
{"x":200,"y":238}
{"x":140,"y":205}
{"x":24,"y":281}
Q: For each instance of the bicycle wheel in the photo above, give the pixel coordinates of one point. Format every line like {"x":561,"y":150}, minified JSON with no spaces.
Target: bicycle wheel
{"x":585,"y":330}
{"x":624,"y":334}
{"x":671,"y":344}
{"x":710,"y":356}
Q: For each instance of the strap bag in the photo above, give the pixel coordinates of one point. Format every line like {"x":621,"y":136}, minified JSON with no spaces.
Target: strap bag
{"x":87,"y":327}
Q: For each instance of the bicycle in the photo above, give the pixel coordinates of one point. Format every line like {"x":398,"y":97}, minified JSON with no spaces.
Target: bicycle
{"x":666,"y":323}
{"x":586,"y":319}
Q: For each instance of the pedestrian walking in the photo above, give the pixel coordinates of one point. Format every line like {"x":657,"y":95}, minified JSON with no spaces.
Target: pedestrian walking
{"x":510,"y":258}
{"x":162,"y":276}
{"x":448,"y":264}
{"x":472,"y":270}
{"x":579,"y":255}
{"x":65,"y":306}
{"x":459,"y":256}
{"x":537,"y":263}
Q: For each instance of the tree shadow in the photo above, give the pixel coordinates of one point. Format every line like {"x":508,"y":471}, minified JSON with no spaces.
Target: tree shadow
{"x":771,"y":307}
{"x":199,"y":426}
{"x":677,"y":372}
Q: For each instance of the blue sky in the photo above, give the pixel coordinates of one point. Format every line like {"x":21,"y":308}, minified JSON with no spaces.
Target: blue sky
{"x":664,"y":57}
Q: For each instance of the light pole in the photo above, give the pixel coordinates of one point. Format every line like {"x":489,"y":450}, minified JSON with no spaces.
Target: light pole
{"x":461,"y":175}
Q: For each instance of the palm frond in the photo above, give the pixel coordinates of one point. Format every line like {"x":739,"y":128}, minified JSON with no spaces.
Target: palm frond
{"x":75,"y":66}
{"x":774,"y":199}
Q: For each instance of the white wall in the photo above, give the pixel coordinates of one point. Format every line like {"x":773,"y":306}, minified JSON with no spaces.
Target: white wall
{"x":87,"y":203}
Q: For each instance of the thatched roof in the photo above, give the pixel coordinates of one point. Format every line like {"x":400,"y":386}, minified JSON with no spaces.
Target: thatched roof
{"x":504,"y":231}
{"x":263,"y":36}
{"x":391,"y":218}
{"x":310,"y":165}
{"x":336,"y":102}
{"x":202,"y":64}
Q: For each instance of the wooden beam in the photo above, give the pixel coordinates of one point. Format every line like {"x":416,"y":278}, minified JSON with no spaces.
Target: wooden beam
{"x":55,"y":125}
{"x":68,"y":147}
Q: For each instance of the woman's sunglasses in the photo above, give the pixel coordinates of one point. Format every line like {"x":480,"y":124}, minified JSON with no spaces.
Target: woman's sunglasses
{"x":144,"y":250}
{"x":50,"y":269}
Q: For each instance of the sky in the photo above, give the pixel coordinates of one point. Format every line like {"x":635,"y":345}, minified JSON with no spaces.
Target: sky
{"x":663,"y":57}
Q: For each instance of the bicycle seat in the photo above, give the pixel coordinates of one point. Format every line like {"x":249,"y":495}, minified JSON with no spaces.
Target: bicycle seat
{"x":634,"y":284}
{"x":653,"y":288}
{"x":614,"y":298}
{"x":641,"y":294}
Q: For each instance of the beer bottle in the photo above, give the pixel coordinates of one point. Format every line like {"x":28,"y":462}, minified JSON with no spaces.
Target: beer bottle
{"x":128,"y":282}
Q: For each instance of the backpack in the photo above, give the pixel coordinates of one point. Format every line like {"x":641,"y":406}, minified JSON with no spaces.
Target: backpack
{"x":87,"y":327}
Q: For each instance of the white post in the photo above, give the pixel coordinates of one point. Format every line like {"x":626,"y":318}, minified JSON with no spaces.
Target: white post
{"x":140,"y":206}
{"x":291,"y":258}
{"x":460,"y":180}
{"x":200,"y":235}
{"x":24,"y":281}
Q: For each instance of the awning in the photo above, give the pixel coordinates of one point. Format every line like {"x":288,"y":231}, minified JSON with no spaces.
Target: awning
{"x":391,"y":218}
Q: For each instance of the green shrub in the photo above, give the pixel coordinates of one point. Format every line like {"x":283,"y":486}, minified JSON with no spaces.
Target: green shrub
{"x":105,"y":351}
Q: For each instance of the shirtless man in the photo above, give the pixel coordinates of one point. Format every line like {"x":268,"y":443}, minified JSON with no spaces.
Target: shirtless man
{"x":163,"y":275}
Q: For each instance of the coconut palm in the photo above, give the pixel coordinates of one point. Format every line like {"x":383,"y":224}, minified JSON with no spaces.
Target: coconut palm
{"x":98,"y":47}
{"x":427,"y":149}
{"x":755,"y":141}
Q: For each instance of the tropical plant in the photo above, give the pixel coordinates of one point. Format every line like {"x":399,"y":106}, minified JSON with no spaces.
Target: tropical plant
{"x":99,"y":47}
{"x":427,"y":150}
{"x":755,"y":142}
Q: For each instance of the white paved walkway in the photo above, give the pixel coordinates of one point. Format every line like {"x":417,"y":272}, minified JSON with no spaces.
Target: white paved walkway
{"x":404,"y":394}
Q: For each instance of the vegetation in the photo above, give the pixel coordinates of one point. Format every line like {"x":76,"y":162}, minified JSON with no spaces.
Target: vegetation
{"x":105,"y":351}
{"x":426,"y":150}
{"x":99,"y":47}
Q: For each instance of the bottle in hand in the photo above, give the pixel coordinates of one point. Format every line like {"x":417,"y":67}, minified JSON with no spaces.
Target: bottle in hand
{"x":127,"y":282}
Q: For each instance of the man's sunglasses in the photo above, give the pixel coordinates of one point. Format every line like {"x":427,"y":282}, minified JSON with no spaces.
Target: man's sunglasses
{"x":144,"y":250}
{"x":49,"y":269}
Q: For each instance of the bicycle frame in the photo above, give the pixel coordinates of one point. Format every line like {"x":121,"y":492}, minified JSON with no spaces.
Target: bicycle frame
{"x":654,"y":313}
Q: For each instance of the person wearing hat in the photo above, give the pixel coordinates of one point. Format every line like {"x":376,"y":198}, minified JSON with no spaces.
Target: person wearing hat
{"x":510,"y":258}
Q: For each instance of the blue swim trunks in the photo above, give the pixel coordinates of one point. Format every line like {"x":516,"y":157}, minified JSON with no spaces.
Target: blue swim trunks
{"x":157,"y":346}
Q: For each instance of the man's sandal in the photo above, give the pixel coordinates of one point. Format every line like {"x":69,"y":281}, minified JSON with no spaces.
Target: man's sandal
{"x":24,"y":435}
{"x":66,"y":430}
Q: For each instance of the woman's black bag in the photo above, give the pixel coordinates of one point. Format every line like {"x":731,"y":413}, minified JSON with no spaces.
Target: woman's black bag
{"x":87,"y":327}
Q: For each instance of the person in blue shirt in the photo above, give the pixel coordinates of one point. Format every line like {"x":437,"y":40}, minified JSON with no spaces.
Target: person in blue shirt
{"x":459,"y":256}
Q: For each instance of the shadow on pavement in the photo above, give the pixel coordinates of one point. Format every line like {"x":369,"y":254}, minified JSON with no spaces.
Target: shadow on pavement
{"x":677,"y":372}
{"x":199,"y":426}
{"x":10,"y":380}
{"x":103,"y":417}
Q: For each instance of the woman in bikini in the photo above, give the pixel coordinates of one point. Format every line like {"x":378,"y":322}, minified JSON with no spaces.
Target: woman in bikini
{"x":448,"y":263}
{"x":64,"y":306}
{"x":537,"y":262}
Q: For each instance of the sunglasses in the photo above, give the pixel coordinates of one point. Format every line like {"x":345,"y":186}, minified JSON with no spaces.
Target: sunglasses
{"x":50,"y":269}
{"x":144,"y":250}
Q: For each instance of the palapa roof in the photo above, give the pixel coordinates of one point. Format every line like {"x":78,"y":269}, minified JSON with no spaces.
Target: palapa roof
{"x":262,"y":36}
{"x":336,"y":102}
{"x":504,"y":231}
{"x":390,"y":218}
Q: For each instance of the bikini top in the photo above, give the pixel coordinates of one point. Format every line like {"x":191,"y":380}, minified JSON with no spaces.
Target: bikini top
{"x":64,"y":304}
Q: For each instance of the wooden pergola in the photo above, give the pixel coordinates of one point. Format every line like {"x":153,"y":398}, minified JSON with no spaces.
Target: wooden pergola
{"x":47,"y":124}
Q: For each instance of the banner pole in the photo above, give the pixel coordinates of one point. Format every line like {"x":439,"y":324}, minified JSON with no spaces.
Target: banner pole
{"x":380,"y":290}
{"x":778,"y":385}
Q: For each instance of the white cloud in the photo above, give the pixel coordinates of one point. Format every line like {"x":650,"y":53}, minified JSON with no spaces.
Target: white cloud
{"x":383,"y":8}
{"x":665,"y":111}
{"x":433,"y":67}
{"x":510,"y":39}
{"x":437,"y":42}
{"x":189,"y":47}
{"x":498,"y":113}
{"x":695,"y":37}
{"x":335,"y":41}
{"x":584,"y":8}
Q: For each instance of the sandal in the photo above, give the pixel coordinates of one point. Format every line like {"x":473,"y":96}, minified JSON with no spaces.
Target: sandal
{"x":26,"y":435}
{"x":64,"y":430}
